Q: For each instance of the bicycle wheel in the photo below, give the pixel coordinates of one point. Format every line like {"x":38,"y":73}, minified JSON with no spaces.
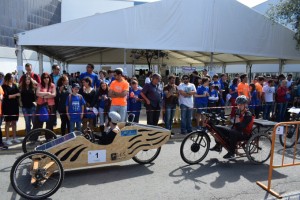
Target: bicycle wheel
{"x":36,"y":175}
{"x":290,"y":137}
{"x":146,"y":156}
{"x":36,"y":138}
{"x":194,"y":147}
{"x":258,"y":149}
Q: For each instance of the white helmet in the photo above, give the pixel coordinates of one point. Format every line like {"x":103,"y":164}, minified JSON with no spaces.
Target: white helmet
{"x":114,"y":117}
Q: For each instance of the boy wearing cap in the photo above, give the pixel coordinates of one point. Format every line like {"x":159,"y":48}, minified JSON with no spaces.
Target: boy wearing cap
{"x":75,"y":107}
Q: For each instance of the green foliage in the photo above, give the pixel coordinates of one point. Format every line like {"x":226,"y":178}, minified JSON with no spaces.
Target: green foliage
{"x":287,"y":12}
{"x":149,"y":55}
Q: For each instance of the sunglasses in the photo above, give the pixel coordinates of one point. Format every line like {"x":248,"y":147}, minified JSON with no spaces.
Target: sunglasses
{"x":47,"y":77}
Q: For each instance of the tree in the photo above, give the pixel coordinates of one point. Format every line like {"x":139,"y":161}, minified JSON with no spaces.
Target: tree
{"x":287,"y":12}
{"x":149,"y":55}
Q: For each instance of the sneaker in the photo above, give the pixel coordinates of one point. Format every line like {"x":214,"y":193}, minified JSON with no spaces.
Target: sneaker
{"x":229,"y":155}
{"x":16,"y":140}
{"x":216,"y":148}
{"x":3,"y":147}
{"x":183,"y":133}
{"x":8,"y":142}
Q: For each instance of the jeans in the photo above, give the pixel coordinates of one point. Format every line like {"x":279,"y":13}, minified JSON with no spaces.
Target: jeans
{"x":65,"y":123}
{"x":122,"y":110}
{"x":186,"y":119}
{"x":152,"y":115}
{"x":268,"y":106}
{"x":73,"y":124}
{"x":169,"y":115}
{"x":28,"y":116}
{"x":102,"y":116}
{"x":281,"y":109}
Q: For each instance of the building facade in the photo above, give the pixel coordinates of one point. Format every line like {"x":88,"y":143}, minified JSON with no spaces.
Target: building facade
{"x":17,"y":16}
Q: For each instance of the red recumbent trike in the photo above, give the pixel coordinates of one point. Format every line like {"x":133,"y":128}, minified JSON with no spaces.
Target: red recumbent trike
{"x":195,"y":146}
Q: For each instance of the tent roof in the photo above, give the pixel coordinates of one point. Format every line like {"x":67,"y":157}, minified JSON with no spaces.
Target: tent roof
{"x":188,"y":29}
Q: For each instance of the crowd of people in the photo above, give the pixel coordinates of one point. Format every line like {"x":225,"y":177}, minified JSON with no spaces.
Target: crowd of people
{"x":85,"y":99}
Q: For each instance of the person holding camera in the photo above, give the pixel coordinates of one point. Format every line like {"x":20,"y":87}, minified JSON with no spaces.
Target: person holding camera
{"x":63,"y":90}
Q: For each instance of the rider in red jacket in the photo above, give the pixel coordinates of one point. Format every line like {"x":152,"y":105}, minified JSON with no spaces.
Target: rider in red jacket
{"x":241,"y":129}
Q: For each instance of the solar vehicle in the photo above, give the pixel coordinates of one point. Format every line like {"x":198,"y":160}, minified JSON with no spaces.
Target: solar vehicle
{"x":39,"y":172}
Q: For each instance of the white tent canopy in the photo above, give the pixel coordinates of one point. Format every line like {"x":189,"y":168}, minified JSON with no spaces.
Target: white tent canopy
{"x":189,"y":30}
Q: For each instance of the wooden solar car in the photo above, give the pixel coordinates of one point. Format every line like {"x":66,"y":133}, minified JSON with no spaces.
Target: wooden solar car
{"x":39,"y":173}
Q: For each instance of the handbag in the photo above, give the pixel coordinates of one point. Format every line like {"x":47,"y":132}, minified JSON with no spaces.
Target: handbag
{"x":43,"y":113}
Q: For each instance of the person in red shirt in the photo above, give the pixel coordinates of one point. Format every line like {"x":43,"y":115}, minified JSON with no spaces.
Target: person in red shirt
{"x":29,"y":73}
{"x":282,"y":101}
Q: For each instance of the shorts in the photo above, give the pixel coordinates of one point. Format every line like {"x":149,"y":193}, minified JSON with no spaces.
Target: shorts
{"x":201,"y":107}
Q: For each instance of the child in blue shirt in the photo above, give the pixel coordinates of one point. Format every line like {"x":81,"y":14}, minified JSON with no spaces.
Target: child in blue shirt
{"x":75,"y":107}
{"x":213,"y":98}
{"x":201,"y":102}
{"x":134,"y":102}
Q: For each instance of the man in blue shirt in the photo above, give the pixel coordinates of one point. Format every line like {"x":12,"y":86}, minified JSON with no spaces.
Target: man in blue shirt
{"x":89,"y":73}
{"x":55,"y":73}
{"x":152,"y":96}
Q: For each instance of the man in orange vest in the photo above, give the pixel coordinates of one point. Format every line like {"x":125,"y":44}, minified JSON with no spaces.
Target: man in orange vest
{"x":241,"y":129}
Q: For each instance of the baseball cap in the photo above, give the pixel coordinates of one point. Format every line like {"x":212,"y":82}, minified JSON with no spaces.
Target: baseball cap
{"x":76,"y":85}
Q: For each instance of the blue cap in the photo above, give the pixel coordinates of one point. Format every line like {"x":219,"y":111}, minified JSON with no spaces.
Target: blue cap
{"x":76,"y":85}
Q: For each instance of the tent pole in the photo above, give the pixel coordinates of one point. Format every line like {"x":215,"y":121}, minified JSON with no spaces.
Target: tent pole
{"x":51,"y":61}
{"x":281,"y":66}
{"x":19,"y":52}
{"x":64,"y":66}
{"x":125,"y":57}
{"x":249,"y":71}
{"x":224,"y":68}
{"x":211,"y":61}
{"x":67,"y":67}
{"x":40,"y":58}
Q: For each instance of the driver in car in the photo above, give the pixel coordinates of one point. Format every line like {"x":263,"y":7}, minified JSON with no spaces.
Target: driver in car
{"x":108,"y":136}
{"x":241,"y":129}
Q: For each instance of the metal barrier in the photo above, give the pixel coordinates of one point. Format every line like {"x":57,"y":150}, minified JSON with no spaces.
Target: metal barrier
{"x":280,"y":128}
